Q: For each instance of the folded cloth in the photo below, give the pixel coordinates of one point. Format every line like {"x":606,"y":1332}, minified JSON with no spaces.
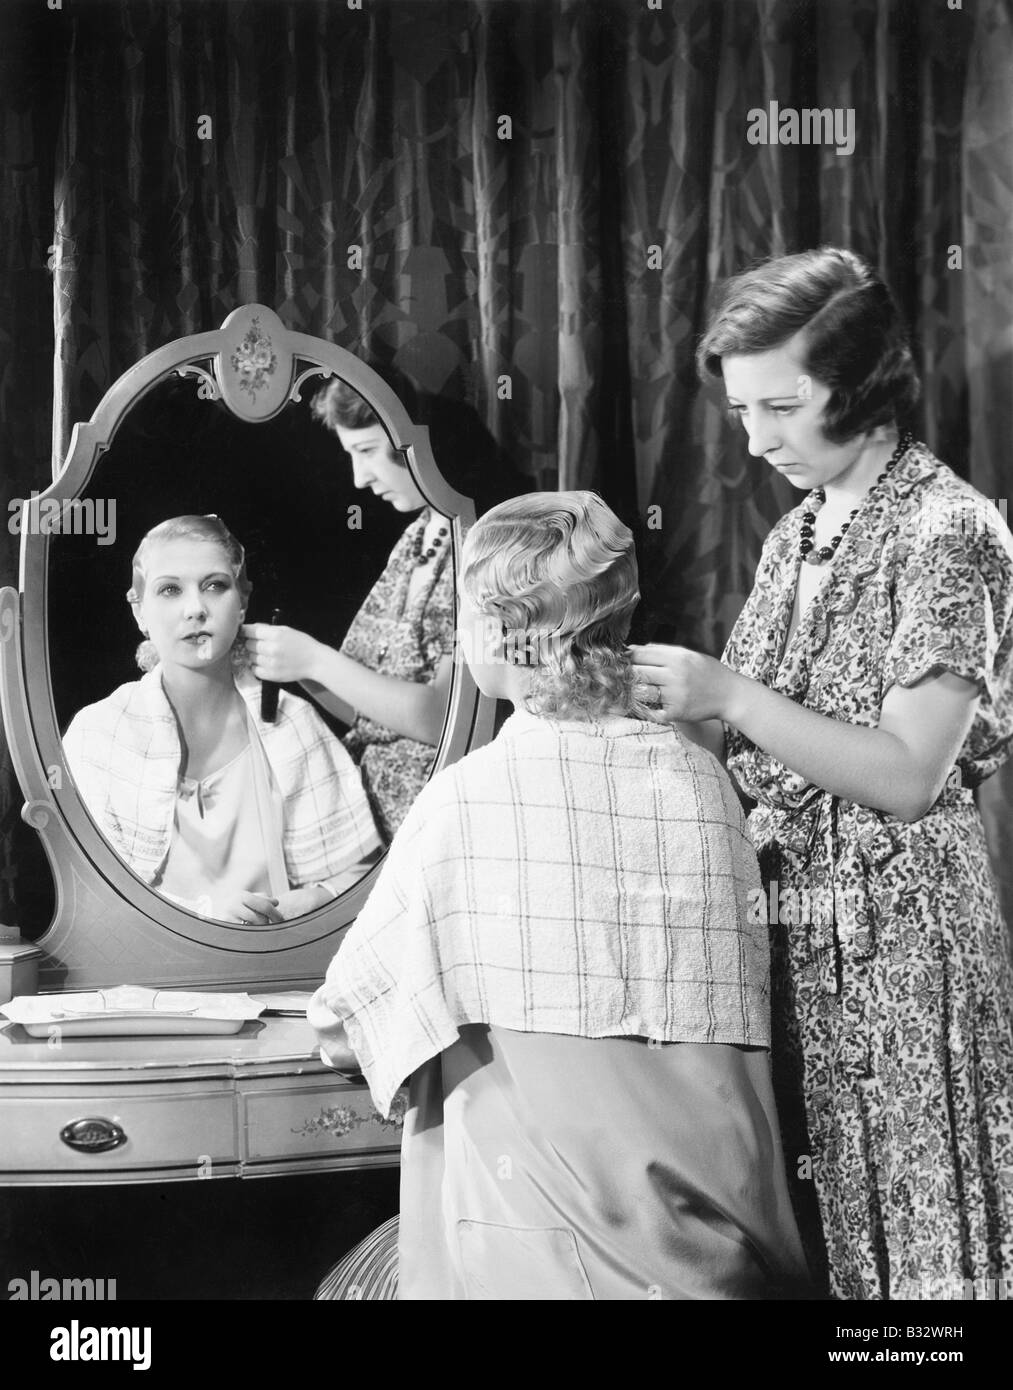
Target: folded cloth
{"x":124,"y":754}
{"x":591,"y":879}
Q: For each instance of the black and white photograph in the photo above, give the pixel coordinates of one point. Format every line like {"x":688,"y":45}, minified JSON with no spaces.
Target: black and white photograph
{"x":506,"y":656}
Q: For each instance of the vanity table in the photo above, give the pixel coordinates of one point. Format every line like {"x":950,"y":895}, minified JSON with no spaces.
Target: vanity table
{"x":134,"y":1110}
{"x":129,"y":1110}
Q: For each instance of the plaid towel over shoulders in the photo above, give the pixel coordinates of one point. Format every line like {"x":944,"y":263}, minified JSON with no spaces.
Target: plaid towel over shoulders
{"x":589,"y":879}
{"x":124,"y":754}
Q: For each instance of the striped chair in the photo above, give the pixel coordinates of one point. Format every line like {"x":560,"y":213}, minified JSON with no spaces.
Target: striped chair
{"x":368,"y":1271}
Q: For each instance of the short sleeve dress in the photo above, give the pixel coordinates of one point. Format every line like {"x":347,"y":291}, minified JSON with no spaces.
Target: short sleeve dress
{"x":891,"y":976}
{"x":405,"y":639}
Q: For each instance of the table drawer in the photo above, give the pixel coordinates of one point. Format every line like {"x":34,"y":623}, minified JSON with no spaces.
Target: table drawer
{"x":314,"y":1120}
{"x":191,"y":1134}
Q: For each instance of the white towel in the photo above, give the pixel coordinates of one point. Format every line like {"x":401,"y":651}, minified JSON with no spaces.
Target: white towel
{"x":591,"y":879}
{"x":124,"y":754}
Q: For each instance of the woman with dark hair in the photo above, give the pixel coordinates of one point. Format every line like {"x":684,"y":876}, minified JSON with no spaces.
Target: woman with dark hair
{"x":864,"y":692}
{"x":390,"y":681}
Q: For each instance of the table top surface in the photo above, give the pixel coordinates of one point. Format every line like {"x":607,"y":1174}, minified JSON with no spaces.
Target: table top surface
{"x":265,"y":1046}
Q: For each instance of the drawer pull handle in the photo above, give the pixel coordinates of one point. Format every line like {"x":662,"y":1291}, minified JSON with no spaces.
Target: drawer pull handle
{"x":93,"y":1135}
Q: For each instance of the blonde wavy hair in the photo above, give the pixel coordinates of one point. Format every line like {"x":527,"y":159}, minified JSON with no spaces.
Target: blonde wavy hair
{"x":558,"y":572}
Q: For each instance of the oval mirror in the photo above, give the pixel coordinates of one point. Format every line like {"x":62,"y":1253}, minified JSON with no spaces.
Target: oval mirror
{"x":222,"y":423}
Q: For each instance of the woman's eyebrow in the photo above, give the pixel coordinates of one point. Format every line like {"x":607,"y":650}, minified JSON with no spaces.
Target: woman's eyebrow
{"x":214,"y":574}
{"x":767,"y":400}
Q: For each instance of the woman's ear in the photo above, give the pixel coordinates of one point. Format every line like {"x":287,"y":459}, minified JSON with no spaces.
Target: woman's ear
{"x":133,"y":598}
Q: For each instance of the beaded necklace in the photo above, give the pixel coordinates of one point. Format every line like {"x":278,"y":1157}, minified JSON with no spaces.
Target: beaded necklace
{"x":418,"y":557}
{"x":806,"y":544}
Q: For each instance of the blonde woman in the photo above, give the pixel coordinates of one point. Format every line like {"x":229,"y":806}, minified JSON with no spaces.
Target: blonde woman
{"x":559,"y":957}
{"x":234,"y":818}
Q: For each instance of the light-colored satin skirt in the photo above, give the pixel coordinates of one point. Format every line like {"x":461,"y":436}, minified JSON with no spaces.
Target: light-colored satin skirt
{"x":543,"y":1167}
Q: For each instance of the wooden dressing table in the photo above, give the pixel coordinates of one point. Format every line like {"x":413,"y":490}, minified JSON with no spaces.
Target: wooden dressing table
{"x":129,"y":1110}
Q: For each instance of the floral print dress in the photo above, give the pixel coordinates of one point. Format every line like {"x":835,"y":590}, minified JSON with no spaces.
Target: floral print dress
{"x":891,"y":976}
{"x":406,"y":638}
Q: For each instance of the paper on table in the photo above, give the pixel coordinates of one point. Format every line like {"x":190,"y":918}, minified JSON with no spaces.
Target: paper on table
{"x":129,"y":999}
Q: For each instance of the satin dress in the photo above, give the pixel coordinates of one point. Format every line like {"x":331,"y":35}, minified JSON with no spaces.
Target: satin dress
{"x":544,"y":1167}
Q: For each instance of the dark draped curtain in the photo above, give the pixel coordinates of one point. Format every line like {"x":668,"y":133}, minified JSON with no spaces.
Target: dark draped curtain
{"x":522,"y":204}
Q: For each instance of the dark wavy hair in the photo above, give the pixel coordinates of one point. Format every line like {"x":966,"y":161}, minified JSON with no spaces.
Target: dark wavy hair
{"x":465,"y":452}
{"x":338,"y":406}
{"x":853,"y":338}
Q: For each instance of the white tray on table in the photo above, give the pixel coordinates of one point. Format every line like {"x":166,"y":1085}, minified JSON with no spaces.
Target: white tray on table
{"x":132,"y":1011}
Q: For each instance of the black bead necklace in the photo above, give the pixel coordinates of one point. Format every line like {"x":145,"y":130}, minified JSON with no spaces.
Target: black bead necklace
{"x":806,"y":545}
{"x":418,"y":557}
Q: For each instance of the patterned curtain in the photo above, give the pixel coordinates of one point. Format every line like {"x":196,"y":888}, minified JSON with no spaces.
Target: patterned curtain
{"x":986,"y":345}
{"x":523,"y":204}
{"x":31,"y":96}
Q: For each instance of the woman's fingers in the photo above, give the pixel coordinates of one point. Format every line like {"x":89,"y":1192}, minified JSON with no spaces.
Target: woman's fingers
{"x":690,"y":685}
{"x":263,"y":635}
{"x":278,"y":653}
{"x":649,"y":675}
{"x":321,"y":1016}
{"x":261,"y":910}
{"x":654,"y":654}
{"x":654,"y":676}
{"x":261,"y":649}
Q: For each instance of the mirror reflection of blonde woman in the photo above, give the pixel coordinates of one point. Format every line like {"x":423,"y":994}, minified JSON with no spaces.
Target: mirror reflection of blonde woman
{"x":234,"y":818}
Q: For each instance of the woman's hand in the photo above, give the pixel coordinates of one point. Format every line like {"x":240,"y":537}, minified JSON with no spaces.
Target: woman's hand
{"x":299,"y":900}
{"x":334,"y":1049}
{"x":900,"y":767}
{"x":690,"y":687}
{"x":250,"y":909}
{"x":281,"y":654}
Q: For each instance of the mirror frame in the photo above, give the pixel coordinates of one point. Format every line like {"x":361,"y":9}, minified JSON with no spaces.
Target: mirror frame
{"x":109,"y":927}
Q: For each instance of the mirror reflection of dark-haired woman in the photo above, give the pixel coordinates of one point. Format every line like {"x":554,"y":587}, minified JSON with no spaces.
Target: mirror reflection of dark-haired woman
{"x":390,"y":681}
